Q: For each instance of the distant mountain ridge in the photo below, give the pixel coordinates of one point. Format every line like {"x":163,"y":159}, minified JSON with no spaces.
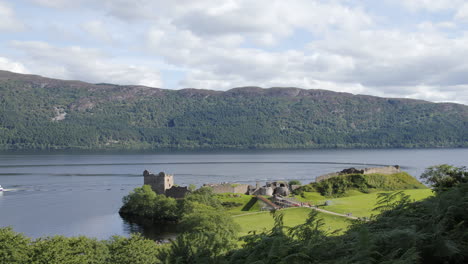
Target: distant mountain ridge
{"x":45,"y":113}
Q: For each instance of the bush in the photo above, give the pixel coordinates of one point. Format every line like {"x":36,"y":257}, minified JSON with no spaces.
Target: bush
{"x":14,"y":247}
{"x":133,"y":250}
{"x":143,"y":201}
{"x":64,"y":250}
{"x":294,"y":182}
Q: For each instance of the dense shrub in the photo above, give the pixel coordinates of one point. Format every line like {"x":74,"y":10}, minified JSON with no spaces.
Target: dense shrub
{"x":144,"y":202}
{"x":17,"y":249}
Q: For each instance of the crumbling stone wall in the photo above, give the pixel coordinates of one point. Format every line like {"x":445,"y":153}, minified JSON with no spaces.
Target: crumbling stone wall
{"x":159,"y":182}
{"x":261,"y":191}
{"x":229,"y":188}
{"x":383,"y":170}
{"x":380,"y":170}
{"x":177,"y":192}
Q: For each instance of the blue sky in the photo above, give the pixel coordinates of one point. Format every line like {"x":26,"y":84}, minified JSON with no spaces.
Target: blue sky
{"x":391,"y":48}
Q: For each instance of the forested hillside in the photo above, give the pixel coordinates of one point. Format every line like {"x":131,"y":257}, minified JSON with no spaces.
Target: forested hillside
{"x":43,"y":113}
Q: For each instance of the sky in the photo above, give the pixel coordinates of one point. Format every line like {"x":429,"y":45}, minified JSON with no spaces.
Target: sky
{"x":390,"y":48}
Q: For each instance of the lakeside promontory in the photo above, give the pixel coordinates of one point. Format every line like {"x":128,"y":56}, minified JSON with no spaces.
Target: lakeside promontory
{"x":44,"y":113}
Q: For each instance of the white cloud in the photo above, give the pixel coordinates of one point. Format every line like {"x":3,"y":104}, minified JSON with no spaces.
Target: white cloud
{"x":455,"y":93}
{"x":84,"y":64}
{"x":9,"y":21}
{"x":98,"y":30}
{"x":432,"y":5}
{"x":379,"y":62}
{"x":267,"y":21}
{"x":13,"y":66}
{"x":462,"y":13}
{"x":339,"y":45}
{"x":60,"y":3}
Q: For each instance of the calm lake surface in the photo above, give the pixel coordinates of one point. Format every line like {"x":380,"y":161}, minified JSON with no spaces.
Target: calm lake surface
{"x":72,"y":193}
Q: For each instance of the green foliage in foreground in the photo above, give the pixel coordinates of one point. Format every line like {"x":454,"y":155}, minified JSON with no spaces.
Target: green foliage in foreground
{"x":444,"y":177}
{"x":207,"y":234}
{"x":15,"y":248}
{"x":339,"y":185}
{"x":125,"y":117}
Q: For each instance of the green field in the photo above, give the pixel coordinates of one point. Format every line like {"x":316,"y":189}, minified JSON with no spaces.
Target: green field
{"x":361,"y":205}
{"x":293,"y":216}
{"x":246,"y":204}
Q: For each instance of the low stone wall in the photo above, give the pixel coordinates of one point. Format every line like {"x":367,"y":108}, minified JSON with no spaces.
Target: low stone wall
{"x":383,"y":170}
{"x":228,"y":188}
{"x":380,"y":170}
{"x":177,"y":192}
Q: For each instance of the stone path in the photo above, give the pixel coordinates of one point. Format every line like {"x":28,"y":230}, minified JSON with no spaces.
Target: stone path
{"x":333,"y":213}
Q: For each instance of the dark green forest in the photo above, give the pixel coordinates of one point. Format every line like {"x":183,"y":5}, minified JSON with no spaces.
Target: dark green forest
{"x":104,"y":116}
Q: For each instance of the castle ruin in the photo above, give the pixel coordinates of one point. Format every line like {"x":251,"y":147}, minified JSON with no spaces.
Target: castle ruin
{"x":163,"y":183}
{"x":381,"y":170}
{"x":271,"y":188}
{"x":228,"y":187}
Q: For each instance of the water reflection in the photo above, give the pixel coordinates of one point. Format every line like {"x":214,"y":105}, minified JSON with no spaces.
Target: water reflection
{"x":149,"y":229}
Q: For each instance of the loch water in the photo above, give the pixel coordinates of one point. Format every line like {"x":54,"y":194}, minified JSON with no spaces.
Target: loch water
{"x":80,"y":193}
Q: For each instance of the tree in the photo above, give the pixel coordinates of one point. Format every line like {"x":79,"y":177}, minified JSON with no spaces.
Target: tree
{"x":139,"y":202}
{"x":143,"y":201}
{"x":391,"y":201}
{"x":63,"y":250}
{"x":205,"y":196}
{"x":14,"y":247}
{"x":133,"y":250}
{"x":207,"y":234}
{"x":443,"y":177}
{"x":294,"y":182}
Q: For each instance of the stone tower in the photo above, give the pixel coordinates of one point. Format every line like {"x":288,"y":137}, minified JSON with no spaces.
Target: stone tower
{"x":159,"y":182}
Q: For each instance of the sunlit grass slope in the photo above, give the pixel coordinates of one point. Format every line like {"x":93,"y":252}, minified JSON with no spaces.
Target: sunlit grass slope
{"x":292,"y":217}
{"x":361,"y":205}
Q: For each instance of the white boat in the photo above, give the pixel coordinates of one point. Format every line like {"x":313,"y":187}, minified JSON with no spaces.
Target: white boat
{"x":1,"y":189}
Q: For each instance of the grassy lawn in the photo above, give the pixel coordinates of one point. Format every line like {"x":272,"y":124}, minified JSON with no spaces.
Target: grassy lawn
{"x":248,"y":215}
{"x":361,"y":205}
{"x":292,"y":217}
{"x":241,"y":199}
